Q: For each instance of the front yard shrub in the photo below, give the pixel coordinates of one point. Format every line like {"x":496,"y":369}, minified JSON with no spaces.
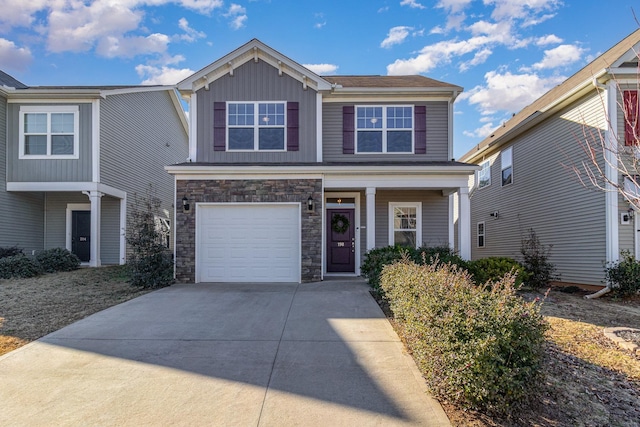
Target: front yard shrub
{"x":18,"y":266}
{"x":57,"y":259}
{"x":535,"y":258}
{"x":10,"y":251}
{"x":624,"y":276}
{"x":493,"y":269}
{"x":478,"y":347}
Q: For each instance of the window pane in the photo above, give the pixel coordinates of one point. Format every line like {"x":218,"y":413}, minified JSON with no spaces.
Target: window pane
{"x":369,"y":118}
{"x":271,"y":139}
{"x":62,"y":144}
{"x":399,"y":141}
{"x":399,"y":118}
{"x":271,"y":114}
{"x":35,"y":144}
{"x":481,"y":241}
{"x":404,"y":218}
{"x":35,"y":123}
{"x":240,"y":139}
{"x":369,"y":142}
{"x":484,"y":175}
{"x":506,"y":176}
{"x":241,"y":114}
{"x":405,"y":238}
{"x":61,"y":122}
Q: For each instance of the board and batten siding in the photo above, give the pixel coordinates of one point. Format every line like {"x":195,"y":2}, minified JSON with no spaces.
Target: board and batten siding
{"x":49,"y":170}
{"x":435,"y":215}
{"x":27,"y":232}
{"x":547,"y":197}
{"x":437,"y":135}
{"x":254,"y":82}
{"x":140,"y":133}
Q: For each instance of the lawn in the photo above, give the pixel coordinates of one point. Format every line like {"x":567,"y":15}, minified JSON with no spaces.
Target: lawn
{"x":589,"y":380}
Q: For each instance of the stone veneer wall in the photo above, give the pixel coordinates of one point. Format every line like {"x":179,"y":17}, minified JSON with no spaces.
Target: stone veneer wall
{"x":250,"y":191}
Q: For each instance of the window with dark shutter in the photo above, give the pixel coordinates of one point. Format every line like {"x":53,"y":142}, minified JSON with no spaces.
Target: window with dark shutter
{"x":420,"y":128}
{"x":631,"y":117}
{"x":348,"y":129}
{"x":292,"y":127}
{"x":219,"y":126}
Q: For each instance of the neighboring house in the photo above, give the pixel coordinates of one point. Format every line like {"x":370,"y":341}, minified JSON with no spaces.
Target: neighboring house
{"x":76,"y":161}
{"x":293,"y":176}
{"x":526,"y":179}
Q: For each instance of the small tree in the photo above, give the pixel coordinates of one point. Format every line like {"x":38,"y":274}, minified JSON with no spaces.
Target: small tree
{"x":150,"y":264}
{"x":535,"y":259}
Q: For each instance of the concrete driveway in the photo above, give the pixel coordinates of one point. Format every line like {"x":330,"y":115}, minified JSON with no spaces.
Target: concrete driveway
{"x":319,"y":354}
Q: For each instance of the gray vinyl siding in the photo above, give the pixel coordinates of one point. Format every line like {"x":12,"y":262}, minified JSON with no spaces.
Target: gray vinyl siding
{"x":437,"y":135}
{"x":256,"y":82}
{"x":110,"y":231}
{"x":140,"y":133}
{"x":49,"y":170}
{"x":435,"y":215}
{"x":547,"y":197}
{"x":27,"y":233}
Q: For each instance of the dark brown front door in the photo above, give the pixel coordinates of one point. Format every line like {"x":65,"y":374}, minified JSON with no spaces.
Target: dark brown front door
{"x":341,"y":243}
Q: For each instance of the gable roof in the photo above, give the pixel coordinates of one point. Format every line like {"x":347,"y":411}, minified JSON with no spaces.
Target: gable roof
{"x":9,"y":81}
{"x":253,"y":50}
{"x":572,"y":88}
{"x":414,"y":81}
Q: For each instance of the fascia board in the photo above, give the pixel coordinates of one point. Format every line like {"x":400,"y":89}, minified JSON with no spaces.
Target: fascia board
{"x":343,"y":170}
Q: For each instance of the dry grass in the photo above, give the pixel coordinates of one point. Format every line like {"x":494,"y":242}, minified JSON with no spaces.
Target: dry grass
{"x":33,"y":308}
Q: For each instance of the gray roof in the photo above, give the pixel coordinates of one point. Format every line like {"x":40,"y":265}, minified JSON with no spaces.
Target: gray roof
{"x":7,"y":80}
{"x":373,"y":81}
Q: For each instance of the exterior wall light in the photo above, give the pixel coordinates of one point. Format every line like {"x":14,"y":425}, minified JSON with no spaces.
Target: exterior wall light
{"x":185,"y":204}
{"x":310,"y":203}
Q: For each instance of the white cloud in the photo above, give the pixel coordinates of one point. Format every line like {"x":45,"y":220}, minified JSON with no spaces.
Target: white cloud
{"x":548,"y":39}
{"x":509,"y":92}
{"x":481,"y":132}
{"x":562,"y":55}
{"x":454,"y":10}
{"x":162,"y":75}
{"x":128,"y":47}
{"x":190,"y":35}
{"x":322,"y":69}
{"x":202,"y":6}
{"x":519,"y":9}
{"x":19,"y":13}
{"x":13,"y":57}
{"x":412,"y":4}
{"x":237,"y":15}
{"x":479,"y":58}
{"x":396,"y":36}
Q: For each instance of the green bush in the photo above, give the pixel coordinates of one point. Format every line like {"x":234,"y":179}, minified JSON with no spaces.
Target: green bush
{"x":57,"y":259}
{"x":10,"y":251}
{"x":478,"y":347}
{"x":376,"y":259}
{"x":535,"y":259}
{"x":18,"y":266}
{"x":495,"y":268}
{"x":624,"y":276}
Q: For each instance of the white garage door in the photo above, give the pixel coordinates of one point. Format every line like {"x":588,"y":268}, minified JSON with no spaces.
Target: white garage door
{"x":248,"y":242}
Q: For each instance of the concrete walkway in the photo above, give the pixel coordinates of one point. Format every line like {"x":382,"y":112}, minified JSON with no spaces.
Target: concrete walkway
{"x":319,"y":354}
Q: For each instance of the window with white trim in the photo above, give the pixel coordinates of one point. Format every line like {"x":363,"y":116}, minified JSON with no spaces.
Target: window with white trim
{"x":405,"y":224}
{"x":48,"y":132}
{"x":481,"y":234}
{"x":506,"y":162}
{"x":384,"y":129}
{"x":484,"y":175}
{"x":256,"y":126}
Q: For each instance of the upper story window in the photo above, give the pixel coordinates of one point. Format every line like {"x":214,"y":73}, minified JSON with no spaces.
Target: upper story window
{"x":405,"y":224}
{"x":506,"y":160}
{"x":48,"y":132}
{"x":384,"y":129}
{"x":484,"y":175}
{"x":256,"y":126}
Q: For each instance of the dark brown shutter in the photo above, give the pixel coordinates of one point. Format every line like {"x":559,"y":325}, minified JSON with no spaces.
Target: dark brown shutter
{"x":348,"y":129}
{"x":292,"y":127}
{"x":219,"y":126}
{"x":420,"y":128}
{"x":631,"y":117}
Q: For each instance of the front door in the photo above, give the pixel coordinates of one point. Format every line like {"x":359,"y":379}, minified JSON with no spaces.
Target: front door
{"x":80,"y":234}
{"x":341,"y":242}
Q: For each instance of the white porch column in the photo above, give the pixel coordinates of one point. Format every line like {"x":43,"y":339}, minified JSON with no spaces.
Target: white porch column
{"x":123,"y":230}
{"x":371,"y":218}
{"x":96,"y":213}
{"x":464,"y":223}
{"x":611,"y":171}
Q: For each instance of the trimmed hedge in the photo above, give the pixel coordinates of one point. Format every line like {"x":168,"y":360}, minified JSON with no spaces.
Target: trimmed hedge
{"x":624,"y":276}
{"x":495,"y":268}
{"x":478,"y":347}
{"x":19,"y":266}
{"x":57,"y":259}
{"x":10,"y":251}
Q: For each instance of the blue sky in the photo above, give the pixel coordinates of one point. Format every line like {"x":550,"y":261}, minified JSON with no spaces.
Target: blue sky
{"x":505,"y":53}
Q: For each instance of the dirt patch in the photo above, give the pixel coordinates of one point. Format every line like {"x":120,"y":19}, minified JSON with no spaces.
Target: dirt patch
{"x":33,"y":308}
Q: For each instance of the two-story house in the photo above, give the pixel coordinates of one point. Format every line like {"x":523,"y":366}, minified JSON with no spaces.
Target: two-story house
{"x":293,"y":177}
{"x":528,"y":174}
{"x":75,"y":162}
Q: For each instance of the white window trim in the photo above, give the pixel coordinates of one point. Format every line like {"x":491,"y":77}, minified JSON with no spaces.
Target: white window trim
{"x":256,"y":127}
{"x":418,"y":206}
{"x":503,"y":167}
{"x":488,"y":163}
{"x":384,"y":130}
{"x":483,"y":234}
{"x":50,"y":109}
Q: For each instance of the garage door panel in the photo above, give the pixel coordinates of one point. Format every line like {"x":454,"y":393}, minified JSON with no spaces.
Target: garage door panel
{"x":258,"y":242}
